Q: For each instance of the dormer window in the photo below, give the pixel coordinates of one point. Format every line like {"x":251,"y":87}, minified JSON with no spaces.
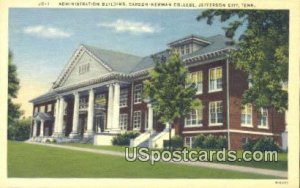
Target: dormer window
{"x":189,"y":44}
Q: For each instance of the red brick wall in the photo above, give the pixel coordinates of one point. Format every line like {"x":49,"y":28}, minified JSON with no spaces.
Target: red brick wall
{"x":238,"y":84}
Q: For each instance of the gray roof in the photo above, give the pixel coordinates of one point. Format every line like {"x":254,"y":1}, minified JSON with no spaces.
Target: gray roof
{"x":117,"y":61}
{"x":193,"y":36}
{"x":42,"y":116}
{"x":50,"y":95}
{"x":218,"y":42}
{"x":147,"y":62}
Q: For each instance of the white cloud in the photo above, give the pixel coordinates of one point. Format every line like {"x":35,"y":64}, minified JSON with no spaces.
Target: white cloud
{"x":131,"y":26}
{"x":45,"y":31}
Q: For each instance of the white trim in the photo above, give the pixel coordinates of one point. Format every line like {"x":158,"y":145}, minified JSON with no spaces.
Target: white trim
{"x":193,"y":126}
{"x":252,"y":132}
{"x":231,"y":130}
{"x":247,"y":125}
{"x":263,"y":127}
{"x":215,"y":124}
{"x":206,"y":131}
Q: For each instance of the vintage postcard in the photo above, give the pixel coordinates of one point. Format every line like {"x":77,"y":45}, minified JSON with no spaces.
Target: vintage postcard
{"x":149,"y":93}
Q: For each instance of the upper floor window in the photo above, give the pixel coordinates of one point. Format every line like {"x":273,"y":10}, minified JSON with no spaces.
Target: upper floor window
{"x":123,"y":121}
{"x":84,"y":68}
{"x":42,"y":108}
{"x":182,"y":50}
{"x":138,"y":93}
{"x":36,"y":109}
{"x":215,"y":113}
{"x":49,"y":107}
{"x":123,"y":97}
{"x":137,"y":120}
{"x":83,"y":103}
{"x":197,"y":79}
{"x":246,"y":115}
{"x":215,"y":79}
{"x":100,"y":101}
{"x":187,"y":49}
{"x":263,"y":118}
{"x":194,"y":118}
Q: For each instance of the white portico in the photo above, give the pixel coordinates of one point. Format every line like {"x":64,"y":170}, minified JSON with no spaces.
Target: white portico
{"x":93,"y":98}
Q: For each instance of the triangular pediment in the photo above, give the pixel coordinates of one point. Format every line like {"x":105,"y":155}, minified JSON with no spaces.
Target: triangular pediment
{"x":83,"y":66}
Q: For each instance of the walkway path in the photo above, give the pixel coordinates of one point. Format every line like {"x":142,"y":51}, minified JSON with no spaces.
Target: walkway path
{"x":277,"y":173}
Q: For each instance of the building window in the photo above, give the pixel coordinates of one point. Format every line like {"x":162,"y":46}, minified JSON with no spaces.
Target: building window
{"x":84,"y":68}
{"x":42,"y":108}
{"x":123,"y":121}
{"x":263,"y":118}
{"x":215,"y":113}
{"x":100,"y":101}
{"x":182,"y":50}
{"x":138,"y":93}
{"x":83,"y":103}
{"x":246,"y":115}
{"x":187,"y":49}
{"x":137,"y":120}
{"x":188,"y":141}
{"x":49,"y":107}
{"x":197,"y":79}
{"x":215,"y":79}
{"x":123,"y":97}
{"x":194,"y":118}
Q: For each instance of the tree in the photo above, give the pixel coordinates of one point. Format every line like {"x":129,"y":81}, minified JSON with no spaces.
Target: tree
{"x":168,"y":91}
{"x":14,"y":111}
{"x":262,"y":52}
{"x":19,"y":130}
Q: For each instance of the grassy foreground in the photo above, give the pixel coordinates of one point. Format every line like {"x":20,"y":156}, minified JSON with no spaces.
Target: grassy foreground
{"x":281,"y":164}
{"x":26,"y":160}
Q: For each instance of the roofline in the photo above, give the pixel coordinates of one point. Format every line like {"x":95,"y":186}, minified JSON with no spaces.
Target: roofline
{"x":189,"y":37}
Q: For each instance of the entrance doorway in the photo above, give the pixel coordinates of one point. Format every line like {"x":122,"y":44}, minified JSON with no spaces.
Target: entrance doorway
{"x":100,"y":120}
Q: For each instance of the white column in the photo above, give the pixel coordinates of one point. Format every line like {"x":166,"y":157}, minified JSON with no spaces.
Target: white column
{"x":42,"y":128}
{"x":90,"y":120}
{"x":110,"y":106}
{"x":150,"y":117}
{"x":75,"y":124}
{"x":116,"y":107}
{"x":56,"y":116}
{"x":34,"y":133}
{"x":61,"y":117}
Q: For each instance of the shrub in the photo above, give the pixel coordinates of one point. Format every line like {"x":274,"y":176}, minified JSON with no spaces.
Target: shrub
{"x":209,"y":142}
{"x":261,"y":144}
{"x":265,"y":144}
{"x":124,"y":139}
{"x":198,"y":141}
{"x":19,"y":130}
{"x":221,"y":142}
{"x":176,"y":142}
{"x":247,"y":146}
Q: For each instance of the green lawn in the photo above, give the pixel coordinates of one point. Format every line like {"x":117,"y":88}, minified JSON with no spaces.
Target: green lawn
{"x":26,"y":160}
{"x":281,"y":164}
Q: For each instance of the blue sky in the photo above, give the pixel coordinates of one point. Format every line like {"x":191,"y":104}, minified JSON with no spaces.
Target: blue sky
{"x":43,"y":40}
